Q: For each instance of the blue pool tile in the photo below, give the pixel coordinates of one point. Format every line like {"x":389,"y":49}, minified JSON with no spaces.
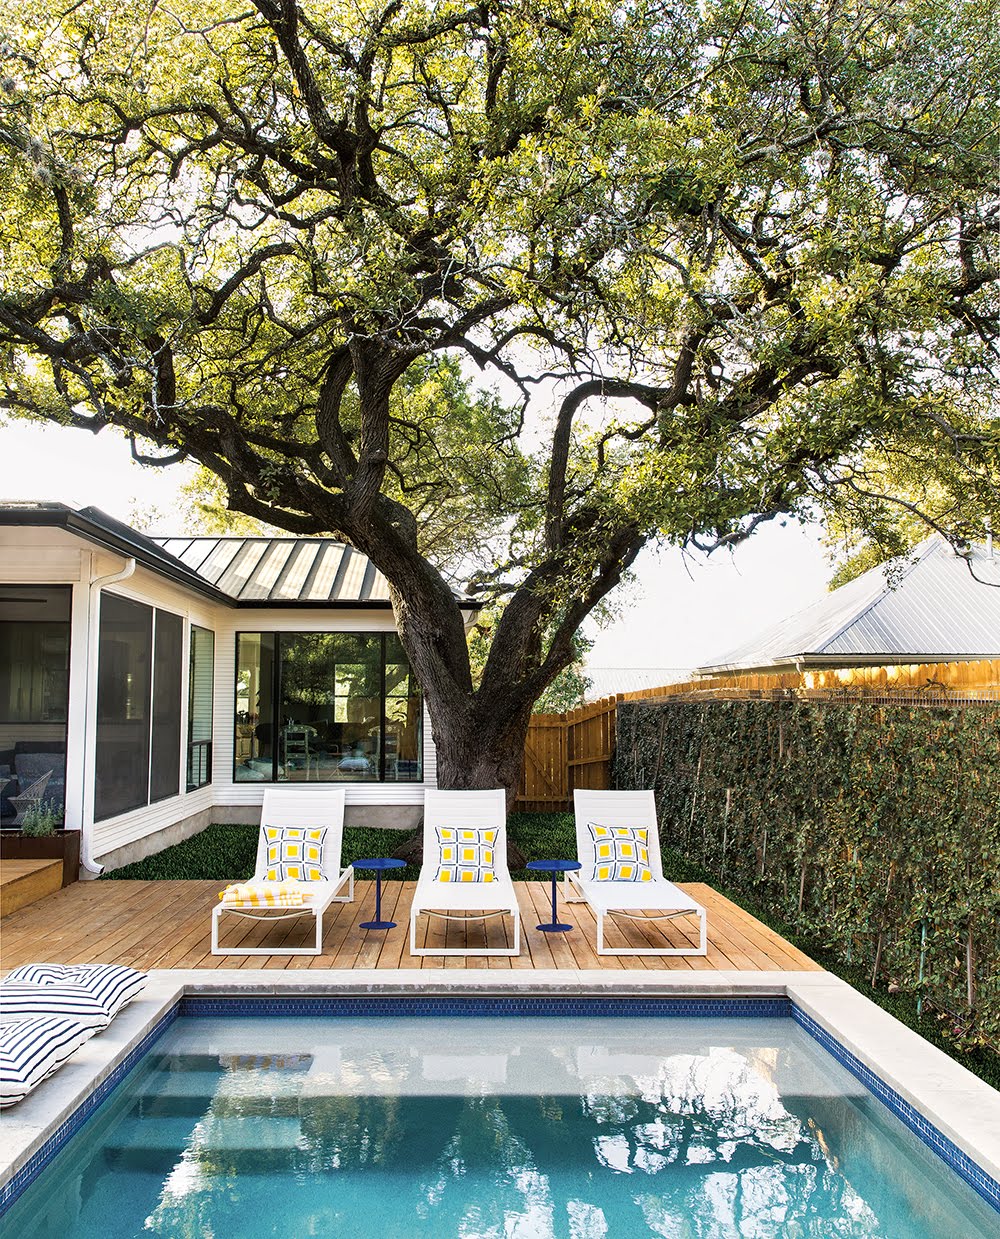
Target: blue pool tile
{"x":43,"y":1155}
{"x":486,"y":1005}
{"x":949,"y":1152}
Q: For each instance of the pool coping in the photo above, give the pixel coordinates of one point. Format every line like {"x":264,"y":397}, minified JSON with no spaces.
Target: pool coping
{"x":939,"y":1096}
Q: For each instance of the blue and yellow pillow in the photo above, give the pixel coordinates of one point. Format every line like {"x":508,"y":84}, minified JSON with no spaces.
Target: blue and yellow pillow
{"x":621,"y":853}
{"x":466,"y":854}
{"x":294,"y":853}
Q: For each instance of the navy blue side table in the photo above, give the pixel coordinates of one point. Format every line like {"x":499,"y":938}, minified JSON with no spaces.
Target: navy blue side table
{"x":555,"y":867}
{"x":379,"y":864}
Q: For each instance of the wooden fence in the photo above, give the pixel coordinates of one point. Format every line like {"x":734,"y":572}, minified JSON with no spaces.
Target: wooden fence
{"x":566,"y":751}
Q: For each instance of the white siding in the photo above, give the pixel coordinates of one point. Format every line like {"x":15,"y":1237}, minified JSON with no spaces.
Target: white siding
{"x":130,"y":827}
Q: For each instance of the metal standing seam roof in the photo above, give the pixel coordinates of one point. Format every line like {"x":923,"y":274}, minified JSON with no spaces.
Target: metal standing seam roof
{"x":283,"y":569}
{"x":932,"y":608}
{"x":242,"y":571}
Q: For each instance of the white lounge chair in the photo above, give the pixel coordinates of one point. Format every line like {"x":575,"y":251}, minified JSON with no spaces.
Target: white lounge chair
{"x":648,"y":902}
{"x":464,"y":901}
{"x":297,"y":806}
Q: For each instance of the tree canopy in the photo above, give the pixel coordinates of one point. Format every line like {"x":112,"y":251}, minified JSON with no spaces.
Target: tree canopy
{"x":713,"y":255}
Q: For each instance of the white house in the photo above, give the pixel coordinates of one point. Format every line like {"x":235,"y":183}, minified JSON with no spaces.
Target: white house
{"x":162,"y":683}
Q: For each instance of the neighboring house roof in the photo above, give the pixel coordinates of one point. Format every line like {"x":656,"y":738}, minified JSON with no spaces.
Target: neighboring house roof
{"x":241,"y":572}
{"x":607,"y":681}
{"x":929,"y":606}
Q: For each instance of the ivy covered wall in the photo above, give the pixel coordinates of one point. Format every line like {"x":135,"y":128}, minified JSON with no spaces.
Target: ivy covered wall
{"x":874,"y":829}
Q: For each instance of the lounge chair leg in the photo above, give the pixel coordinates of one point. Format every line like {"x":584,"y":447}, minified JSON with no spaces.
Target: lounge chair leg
{"x":703,"y":937}
{"x":600,"y":933}
{"x":319,"y":933}
{"x":215,"y":932}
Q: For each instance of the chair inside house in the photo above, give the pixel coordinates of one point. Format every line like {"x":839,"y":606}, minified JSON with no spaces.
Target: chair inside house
{"x":464,"y":876}
{"x":621,"y":875}
{"x":289,"y":881}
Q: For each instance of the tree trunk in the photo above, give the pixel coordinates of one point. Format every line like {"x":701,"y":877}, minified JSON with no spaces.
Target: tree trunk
{"x":473,"y":755}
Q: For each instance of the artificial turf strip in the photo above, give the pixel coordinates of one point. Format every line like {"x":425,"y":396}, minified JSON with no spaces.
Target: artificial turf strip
{"x":227,"y":854}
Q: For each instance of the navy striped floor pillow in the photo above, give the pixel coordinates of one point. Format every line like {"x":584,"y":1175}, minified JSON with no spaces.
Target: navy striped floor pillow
{"x":111,"y":984}
{"x":32,"y":1049}
{"x":20,"y":1000}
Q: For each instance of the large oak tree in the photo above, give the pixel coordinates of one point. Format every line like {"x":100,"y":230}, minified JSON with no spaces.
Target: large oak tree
{"x":713,"y":253}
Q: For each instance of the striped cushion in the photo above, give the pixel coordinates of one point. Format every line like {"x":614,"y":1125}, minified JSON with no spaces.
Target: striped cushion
{"x":620,"y":853}
{"x":466,"y":854}
{"x":294,"y":853}
{"x":32,"y":1049}
{"x":20,"y":1000}
{"x":112,"y":985}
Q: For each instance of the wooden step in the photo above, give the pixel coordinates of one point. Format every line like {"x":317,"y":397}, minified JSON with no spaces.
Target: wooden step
{"x":24,"y":881}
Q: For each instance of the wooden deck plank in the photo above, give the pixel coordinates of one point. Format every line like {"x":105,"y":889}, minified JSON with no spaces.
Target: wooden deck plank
{"x":168,"y":925}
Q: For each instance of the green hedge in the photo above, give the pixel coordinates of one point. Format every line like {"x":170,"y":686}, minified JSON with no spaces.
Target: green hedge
{"x":873,"y":830}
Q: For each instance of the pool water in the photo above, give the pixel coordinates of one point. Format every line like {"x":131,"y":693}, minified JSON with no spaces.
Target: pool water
{"x":506,"y":1128}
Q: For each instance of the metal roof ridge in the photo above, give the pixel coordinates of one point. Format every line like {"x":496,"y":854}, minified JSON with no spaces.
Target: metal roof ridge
{"x":920,"y":552}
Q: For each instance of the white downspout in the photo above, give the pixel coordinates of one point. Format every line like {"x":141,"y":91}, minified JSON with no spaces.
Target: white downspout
{"x":90,"y":729}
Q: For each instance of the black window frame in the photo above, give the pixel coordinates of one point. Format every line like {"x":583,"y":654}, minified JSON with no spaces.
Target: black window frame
{"x":203,"y":763}
{"x":277,"y":635}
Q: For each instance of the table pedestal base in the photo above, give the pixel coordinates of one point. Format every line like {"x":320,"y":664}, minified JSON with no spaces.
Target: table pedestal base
{"x":555,"y":928}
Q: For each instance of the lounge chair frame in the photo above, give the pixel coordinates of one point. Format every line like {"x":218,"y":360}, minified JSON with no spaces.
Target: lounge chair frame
{"x":644,"y":902}
{"x":464,"y":901}
{"x":297,"y":806}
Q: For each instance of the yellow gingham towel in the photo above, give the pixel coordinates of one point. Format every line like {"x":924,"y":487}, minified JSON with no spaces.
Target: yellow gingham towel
{"x":246,"y":895}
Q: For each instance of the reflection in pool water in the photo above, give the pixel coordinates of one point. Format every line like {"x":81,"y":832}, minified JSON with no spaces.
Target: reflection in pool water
{"x":514,"y":1129}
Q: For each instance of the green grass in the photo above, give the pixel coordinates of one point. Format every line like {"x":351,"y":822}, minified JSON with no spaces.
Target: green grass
{"x":227,"y":854}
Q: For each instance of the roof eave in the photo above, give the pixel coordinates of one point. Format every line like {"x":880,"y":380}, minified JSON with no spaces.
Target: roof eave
{"x":166,"y":565}
{"x":788,"y":664}
{"x":75,"y":523}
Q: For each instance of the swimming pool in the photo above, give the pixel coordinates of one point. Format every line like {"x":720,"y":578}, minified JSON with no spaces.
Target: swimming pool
{"x":528,"y":1127}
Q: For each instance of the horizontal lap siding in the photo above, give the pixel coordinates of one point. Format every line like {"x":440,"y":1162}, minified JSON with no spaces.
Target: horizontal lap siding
{"x":130,"y":827}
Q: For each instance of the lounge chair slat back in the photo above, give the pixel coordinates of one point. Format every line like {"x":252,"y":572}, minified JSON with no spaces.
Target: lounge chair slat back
{"x":474,"y":809}
{"x":308,"y":807}
{"x":607,"y":808}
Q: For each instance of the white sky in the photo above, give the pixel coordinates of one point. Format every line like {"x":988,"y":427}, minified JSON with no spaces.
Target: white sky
{"x":682,"y":611}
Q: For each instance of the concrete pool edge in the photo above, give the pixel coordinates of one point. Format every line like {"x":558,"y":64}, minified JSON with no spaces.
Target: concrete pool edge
{"x":947,"y":1097}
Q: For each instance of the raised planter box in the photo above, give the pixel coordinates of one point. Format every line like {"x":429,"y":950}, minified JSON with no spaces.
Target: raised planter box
{"x":64,"y":845}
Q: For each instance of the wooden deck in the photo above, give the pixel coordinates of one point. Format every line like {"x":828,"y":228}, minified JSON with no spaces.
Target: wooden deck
{"x":167,"y":925}
{"x":24,"y":881}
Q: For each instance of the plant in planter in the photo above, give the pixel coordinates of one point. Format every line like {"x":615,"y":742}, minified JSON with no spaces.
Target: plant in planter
{"x":41,"y":820}
{"x":39,"y":835}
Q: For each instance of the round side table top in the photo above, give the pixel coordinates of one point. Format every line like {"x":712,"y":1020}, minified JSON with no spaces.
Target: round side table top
{"x":553,"y":866}
{"x":379,"y":862}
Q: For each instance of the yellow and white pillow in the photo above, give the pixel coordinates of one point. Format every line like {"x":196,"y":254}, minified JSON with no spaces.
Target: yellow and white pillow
{"x":466,"y":854}
{"x":621,"y":853}
{"x":294,"y":853}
